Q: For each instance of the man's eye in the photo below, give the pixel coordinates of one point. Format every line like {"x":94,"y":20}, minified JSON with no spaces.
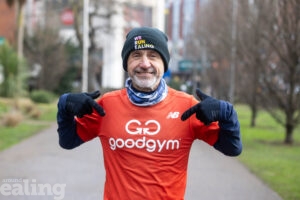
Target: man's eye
{"x":135,"y":55}
{"x":153,"y":55}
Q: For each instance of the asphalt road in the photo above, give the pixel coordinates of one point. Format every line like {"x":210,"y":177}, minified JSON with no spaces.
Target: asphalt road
{"x":78,"y":174}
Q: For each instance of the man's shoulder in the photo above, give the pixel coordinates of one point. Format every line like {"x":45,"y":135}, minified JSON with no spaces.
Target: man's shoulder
{"x":114,"y":93}
{"x":180,"y":97}
{"x":180,"y":94}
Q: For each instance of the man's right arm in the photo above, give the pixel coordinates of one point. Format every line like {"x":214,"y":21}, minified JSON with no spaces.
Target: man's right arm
{"x":68,"y":137}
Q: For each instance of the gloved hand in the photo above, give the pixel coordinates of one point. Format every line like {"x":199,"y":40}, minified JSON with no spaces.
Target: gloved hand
{"x":83,"y":103}
{"x":207,"y":111}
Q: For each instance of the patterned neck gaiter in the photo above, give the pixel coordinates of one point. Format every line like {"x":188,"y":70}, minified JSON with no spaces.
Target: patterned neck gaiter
{"x":146,"y":98}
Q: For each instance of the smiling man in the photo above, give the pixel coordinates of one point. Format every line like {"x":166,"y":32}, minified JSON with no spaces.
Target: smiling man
{"x":145,"y":69}
{"x":147,"y":128}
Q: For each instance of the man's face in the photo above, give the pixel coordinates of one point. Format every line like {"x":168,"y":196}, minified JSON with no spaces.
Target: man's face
{"x":145,"y":68}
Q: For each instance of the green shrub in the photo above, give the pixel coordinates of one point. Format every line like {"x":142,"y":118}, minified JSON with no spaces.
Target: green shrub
{"x":12,"y":69}
{"x":42,"y":96}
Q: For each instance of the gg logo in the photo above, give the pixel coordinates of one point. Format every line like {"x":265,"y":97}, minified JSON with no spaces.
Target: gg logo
{"x":141,"y":129}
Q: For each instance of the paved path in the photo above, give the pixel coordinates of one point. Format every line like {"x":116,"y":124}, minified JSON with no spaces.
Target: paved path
{"x":39,"y":160}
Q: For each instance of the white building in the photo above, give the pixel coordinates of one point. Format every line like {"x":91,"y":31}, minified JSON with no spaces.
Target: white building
{"x":113,"y":73}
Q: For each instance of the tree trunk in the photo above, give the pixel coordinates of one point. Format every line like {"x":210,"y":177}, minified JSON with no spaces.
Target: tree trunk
{"x":253,"y":115}
{"x":289,"y":134}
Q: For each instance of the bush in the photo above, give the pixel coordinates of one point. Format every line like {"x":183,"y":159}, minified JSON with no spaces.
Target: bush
{"x":12,"y":118}
{"x":28,"y":108}
{"x":25,"y":105}
{"x":35,"y":114}
{"x":42,"y":96}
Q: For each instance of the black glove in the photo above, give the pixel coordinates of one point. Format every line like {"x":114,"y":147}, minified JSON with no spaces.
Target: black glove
{"x":207,"y":111}
{"x":83,"y":103}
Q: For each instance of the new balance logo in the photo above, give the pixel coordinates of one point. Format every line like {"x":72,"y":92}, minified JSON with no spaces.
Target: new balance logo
{"x":173,"y":115}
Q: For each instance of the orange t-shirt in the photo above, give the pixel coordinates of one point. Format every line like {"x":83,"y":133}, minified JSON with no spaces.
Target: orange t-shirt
{"x":145,"y":149}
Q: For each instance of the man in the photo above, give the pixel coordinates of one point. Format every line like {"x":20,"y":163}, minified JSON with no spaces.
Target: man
{"x":147,"y":128}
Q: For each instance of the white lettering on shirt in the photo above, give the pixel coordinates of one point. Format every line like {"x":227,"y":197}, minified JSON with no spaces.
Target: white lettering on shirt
{"x":150,"y":145}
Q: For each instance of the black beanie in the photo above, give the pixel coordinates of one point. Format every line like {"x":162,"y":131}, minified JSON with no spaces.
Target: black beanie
{"x":146,"y":38}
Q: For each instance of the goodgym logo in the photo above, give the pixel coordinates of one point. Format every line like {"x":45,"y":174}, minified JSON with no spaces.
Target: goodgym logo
{"x":150,"y":128}
{"x":142,"y":129}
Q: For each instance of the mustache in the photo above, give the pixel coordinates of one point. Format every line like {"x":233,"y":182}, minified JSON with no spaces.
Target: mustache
{"x":145,"y":70}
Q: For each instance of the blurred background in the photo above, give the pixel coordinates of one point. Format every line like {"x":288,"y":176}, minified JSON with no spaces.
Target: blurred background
{"x":246,"y":52}
{"x":241,"y":51}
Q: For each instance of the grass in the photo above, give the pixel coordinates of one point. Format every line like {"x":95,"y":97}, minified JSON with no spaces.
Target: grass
{"x":28,"y":126}
{"x":12,"y":135}
{"x":48,"y":112}
{"x":277,"y":164}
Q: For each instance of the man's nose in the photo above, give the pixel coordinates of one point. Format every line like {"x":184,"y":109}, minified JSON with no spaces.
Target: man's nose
{"x":145,"y":62}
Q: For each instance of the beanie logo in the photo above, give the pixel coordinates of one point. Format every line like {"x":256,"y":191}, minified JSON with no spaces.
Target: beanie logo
{"x":140,"y":43}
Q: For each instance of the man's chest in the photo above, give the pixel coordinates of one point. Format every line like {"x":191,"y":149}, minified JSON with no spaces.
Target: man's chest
{"x":149,"y":131}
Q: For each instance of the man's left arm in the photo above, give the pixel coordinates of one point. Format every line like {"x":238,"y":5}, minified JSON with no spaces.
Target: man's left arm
{"x":229,"y":141}
{"x":210,"y":110}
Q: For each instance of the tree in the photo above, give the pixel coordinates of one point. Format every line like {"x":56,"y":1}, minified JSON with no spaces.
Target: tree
{"x":280,"y":78}
{"x":13,"y":80}
{"x":9,"y":63}
{"x":251,"y":47}
{"x":19,"y":32}
{"x":47,"y":51}
{"x":268,"y":65}
{"x":212,"y":36}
